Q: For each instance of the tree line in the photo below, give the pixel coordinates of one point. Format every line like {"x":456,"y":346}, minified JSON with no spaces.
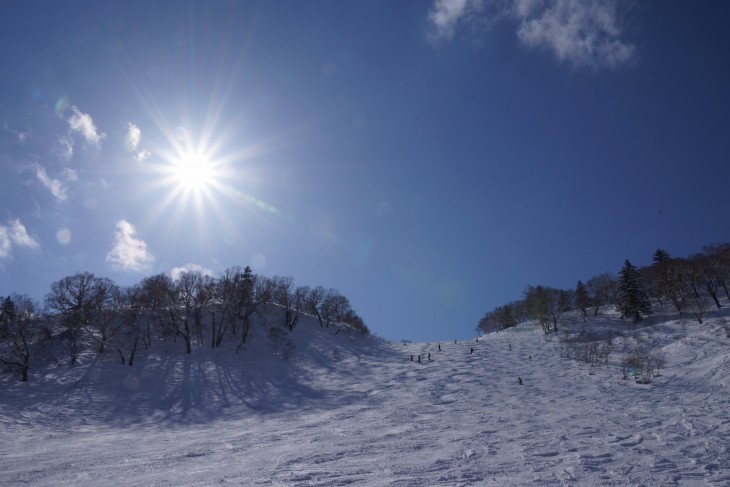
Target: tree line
{"x":691,"y":285}
{"x":84,"y":311}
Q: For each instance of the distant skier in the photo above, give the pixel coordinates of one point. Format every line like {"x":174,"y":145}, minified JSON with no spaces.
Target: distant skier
{"x":472,"y":351}
{"x":439,"y":347}
{"x":519,"y":380}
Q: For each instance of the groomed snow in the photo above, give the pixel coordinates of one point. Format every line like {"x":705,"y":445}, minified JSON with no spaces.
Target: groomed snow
{"x":357,"y":411}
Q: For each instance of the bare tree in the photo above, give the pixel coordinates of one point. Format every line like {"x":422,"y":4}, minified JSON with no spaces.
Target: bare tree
{"x":709,"y":269}
{"x":720,"y":256}
{"x":105,"y":320}
{"x":19,"y":333}
{"x":155,"y":301}
{"x":75,"y":299}
{"x":693,"y":280}
{"x":602,"y":291}
{"x":132,"y":331}
{"x":545,"y":305}
{"x":186,"y":311}
{"x":255,"y":292}
{"x":229,"y":293}
{"x":203,"y":304}
{"x":313,"y":299}
{"x":336,"y":306}
{"x":354,"y":323}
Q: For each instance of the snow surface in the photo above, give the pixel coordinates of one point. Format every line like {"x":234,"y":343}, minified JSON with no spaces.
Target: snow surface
{"x":344,"y":411}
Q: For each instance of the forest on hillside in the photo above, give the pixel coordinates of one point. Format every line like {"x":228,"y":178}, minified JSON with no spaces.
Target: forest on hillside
{"x":690,"y":284}
{"x":85,"y":312}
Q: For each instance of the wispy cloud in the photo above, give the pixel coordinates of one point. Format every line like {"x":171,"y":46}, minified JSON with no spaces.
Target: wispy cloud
{"x":446,"y":15}
{"x":58,"y":188}
{"x":21,"y":136}
{"x":129,"y":252}
{"x":134,"y":136}
{"x":14,"y":234}
{"x":70,"y":174}
{"x":585,"y":34}
{"x":83,"y":124}
{"x":65,"y":148}
{"x":176,"y":272}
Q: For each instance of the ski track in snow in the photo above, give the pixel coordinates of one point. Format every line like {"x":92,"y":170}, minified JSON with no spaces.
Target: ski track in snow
{"x":373,"y":417}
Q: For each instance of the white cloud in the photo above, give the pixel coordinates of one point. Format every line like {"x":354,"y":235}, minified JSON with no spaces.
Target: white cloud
{"x":583,"y":33}
{"x":444,"y":16}
{"x":134,"y":136}
{"x":142,"y":155}
{"x":525,"y":8}
{"x":176,"y":272}
{"x":19,"y":235}
{"x":57,"y":187}
{"x":65,"y":148}
{"x":83,"y":124}
{"x":5,"y":243}
{"x":15,"y":235}
{"x":129,"y":253}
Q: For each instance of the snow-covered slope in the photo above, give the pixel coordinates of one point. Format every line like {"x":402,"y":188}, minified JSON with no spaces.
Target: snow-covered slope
{"x":357,"y":410}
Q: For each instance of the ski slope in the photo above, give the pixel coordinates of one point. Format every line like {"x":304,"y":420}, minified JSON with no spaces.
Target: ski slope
{"x":358,"y":411}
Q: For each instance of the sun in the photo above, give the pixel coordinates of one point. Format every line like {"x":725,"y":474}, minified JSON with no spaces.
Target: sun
{"x":193,"y":172}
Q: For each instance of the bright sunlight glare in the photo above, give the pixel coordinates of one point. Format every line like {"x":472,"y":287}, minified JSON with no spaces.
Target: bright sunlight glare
{"x":193,"y":172}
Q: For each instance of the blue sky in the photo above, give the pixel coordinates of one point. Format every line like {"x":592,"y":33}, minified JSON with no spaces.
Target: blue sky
{"x":427,"y":159}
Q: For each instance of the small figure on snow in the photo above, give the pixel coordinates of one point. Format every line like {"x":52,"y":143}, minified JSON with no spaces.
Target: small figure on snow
{"x":439,"y":347}
{"x":471,"y":351}
{"x":519,"y":380}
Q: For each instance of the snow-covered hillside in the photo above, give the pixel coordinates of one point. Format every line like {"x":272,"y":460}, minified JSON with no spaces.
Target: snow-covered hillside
{"x":356,"y":410}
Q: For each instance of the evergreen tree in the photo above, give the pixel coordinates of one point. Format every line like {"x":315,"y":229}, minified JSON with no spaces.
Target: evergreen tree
{"x":632,"y":300}
{"x":661,"y":256}
{"x":582,"y":301}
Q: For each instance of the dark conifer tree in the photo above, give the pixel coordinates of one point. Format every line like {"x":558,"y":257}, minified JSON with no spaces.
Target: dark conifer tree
{"x":582,"y":301}
{"x":661,"y":256}
{"x":632,"y":300}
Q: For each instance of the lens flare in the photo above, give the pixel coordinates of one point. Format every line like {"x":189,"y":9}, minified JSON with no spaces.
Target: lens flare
{"x":61,"y":106}
{"x":63,"y":236}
